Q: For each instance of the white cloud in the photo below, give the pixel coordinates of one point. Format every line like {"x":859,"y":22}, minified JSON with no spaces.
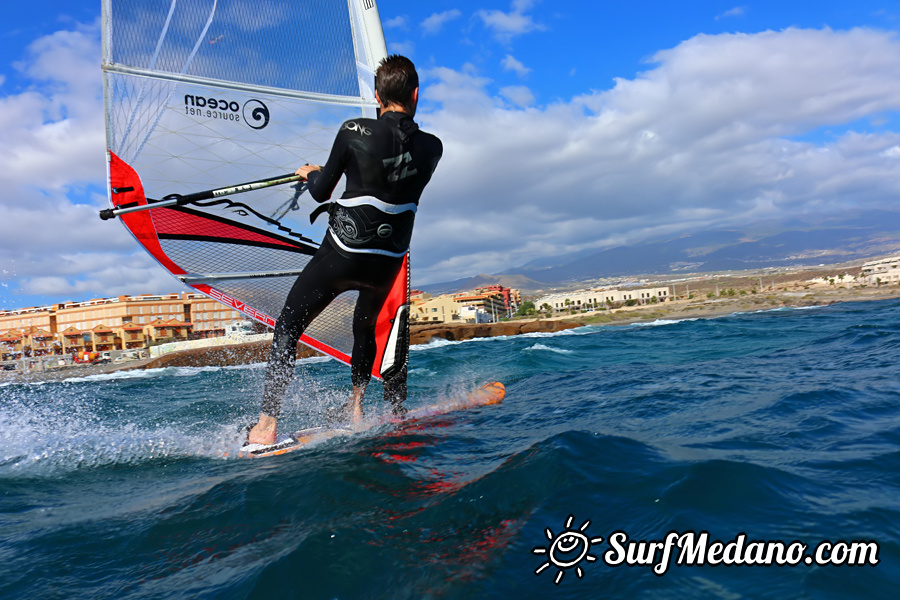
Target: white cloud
{"x":708,"y":137}
{"x":52,"y":135}
{"x":518,"y":94}
{"x":398,"y":22}
{"x":435,"y":22}
{"x":510,"y":63}
{"x":507,"y":25}
{"x":407,"y":49}
{"x":52,"y":146}
{"x":737,"y":11}
{"x":73,"y":276}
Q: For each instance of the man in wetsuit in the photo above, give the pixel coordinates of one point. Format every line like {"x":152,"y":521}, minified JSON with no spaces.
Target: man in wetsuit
{"x":388,"y":162}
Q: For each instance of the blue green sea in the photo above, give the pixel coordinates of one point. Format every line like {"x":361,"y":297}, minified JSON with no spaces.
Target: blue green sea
{"x":781,"y":426}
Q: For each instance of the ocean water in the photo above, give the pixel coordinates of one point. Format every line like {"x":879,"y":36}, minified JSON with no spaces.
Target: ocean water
{"x":782,"y":426}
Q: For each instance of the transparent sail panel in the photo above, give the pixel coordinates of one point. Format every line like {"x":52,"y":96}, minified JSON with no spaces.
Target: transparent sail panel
{"x":204,"y":94}
{"x":287,"y":44}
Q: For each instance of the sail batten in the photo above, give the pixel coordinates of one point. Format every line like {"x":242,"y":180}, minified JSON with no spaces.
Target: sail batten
{"x":205,"y":94}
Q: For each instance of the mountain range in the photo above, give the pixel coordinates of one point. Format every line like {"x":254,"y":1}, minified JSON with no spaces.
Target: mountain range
{"x":763,"y":245}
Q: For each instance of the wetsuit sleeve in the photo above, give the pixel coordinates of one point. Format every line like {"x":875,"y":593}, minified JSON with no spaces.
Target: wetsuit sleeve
{"x":322,"y":183}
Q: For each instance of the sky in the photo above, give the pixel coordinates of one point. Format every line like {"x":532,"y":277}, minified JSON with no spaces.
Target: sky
{"x":567,"y":127}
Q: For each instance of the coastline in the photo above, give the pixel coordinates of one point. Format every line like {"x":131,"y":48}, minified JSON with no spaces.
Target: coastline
{"x":795,"y":296}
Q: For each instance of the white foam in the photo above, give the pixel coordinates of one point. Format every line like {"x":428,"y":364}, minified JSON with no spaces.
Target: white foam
{"x":39,"y":441}
{"x":133,"y":374}
{"x":24,"y":382}
{"x":776,"y":309}
{"x":422,"y":371}
{"x":440,"y":342}
{"x":549,"y":349}
{"x":432,"y":344}
{"x":660,"y":322}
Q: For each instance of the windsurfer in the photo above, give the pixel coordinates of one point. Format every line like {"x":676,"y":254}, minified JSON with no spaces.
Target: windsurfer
{"x":388,"y":162}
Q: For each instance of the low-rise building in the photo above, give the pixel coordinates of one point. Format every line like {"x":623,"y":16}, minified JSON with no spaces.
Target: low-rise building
{"x":10,"y":345}
{"x":881,"y":271}
{"x":73,"y":341}
{"x":121,"y":323}
{"x":171,"y":330}
{"x":131,"y":337}
{"x":440,"y":309}
{"x":596,"y":298}
{"x":38,"y":342}
{"x":481,"y":305}
{"x":491,"y":304}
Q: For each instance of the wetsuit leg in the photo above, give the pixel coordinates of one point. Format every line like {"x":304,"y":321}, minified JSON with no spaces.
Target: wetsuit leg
{"x":327,"y":275}
{"x":395,"y":391}
{"x":308,"y":297}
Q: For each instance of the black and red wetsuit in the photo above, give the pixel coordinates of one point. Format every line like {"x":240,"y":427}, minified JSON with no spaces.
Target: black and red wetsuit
{"x":388,"y":162}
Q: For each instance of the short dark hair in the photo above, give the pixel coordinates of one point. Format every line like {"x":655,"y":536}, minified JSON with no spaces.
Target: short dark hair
{"x":395,"y":80}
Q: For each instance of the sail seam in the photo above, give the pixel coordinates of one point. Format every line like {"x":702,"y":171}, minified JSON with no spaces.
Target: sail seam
{"x":237,"y":86}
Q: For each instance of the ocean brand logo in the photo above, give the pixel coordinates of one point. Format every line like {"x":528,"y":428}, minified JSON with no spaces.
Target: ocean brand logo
{"x":254,"y":113}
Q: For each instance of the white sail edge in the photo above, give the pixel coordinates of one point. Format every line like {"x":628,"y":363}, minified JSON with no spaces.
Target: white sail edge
{"x":368,"y":45}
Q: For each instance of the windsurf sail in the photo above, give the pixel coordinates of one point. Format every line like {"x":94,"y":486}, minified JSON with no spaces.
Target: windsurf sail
{"x":210,"y":107}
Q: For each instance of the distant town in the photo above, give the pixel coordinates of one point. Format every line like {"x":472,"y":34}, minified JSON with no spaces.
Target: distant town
{"x":130,"y":327}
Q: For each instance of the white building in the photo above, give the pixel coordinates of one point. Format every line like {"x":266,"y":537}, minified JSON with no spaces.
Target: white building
{"x":474,"y":314}
{"x":584,"y":299}
{"x":882,"y":271}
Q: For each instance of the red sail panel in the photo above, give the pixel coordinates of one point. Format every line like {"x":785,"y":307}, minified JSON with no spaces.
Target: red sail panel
{"x":126,"y":188}
{"x":173,"y":222}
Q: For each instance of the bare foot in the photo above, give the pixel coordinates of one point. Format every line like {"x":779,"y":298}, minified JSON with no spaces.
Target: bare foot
{"x":355,"y":405}
{"x":356,"y":415}
{"x":264,"y":432}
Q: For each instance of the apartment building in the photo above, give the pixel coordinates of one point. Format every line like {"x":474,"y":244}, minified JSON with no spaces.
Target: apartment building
{"x":121,"y":323}
{"x":481,"y":305}
{"x":881,"y":271}
{"x":583,"y":299}
{"x":439,"y":309}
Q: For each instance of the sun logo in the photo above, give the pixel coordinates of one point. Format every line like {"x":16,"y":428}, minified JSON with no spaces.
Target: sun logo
{"x":567,"y":550}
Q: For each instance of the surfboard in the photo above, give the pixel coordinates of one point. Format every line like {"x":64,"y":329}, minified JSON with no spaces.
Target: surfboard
{"x":486,"y":395}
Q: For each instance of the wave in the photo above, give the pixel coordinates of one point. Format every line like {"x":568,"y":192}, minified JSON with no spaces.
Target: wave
{"x":776,"y":309}
{"x":441,"y":343}
{"x":159,"y":372}
{"x":550,"y":349}
{"x":46,"y":445}
{"x":660,"y":322}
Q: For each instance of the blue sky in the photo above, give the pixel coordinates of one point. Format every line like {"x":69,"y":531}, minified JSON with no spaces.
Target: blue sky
{"x":568,"y":126}
{"x":570,"y":48}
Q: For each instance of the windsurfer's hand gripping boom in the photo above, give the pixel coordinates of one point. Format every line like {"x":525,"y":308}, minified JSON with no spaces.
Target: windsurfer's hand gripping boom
{"x":305,"y":170}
